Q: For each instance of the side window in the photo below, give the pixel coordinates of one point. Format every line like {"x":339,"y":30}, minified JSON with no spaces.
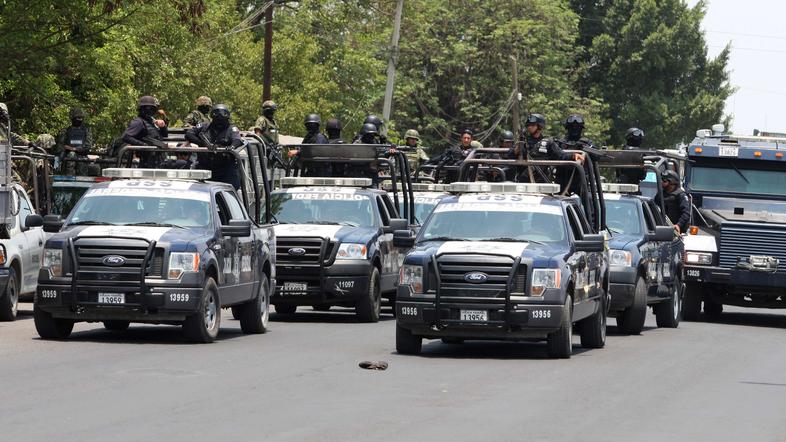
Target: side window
{"x":660,"y":219}
{"x":222,"y":209}
{"x":575,"y":224}
{"x":235,"y":209}
{"x":383,"y":212}
{"x":585,"y":227}
{"x":24,"y":208}
{"x":392,"y":210}
{"x":648,"y":218}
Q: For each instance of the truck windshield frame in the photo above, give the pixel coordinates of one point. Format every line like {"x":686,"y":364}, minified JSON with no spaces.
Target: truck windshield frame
{"x":738,"y":177}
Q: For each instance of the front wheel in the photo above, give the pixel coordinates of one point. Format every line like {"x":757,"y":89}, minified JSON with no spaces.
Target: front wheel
{"x":667,"y":314}
{"x":560,"y":342}
{"x":49,"y":327}
{"x":691,"y":305}
{"x":593,"y":329}
{"x":712,"y":309}
{"x":254,"y":315}
{"x":369,"y":307}
{"x":203,"y":326}
{"x":406,"y":342}
{"x":631,"y":320}
{"x":9,"y":304}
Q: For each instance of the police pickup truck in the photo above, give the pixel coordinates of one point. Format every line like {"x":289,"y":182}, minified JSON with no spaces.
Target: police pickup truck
{"x":155,"y":246}
{"x":503,"y":261}
{"x":735,"y":252}
{"x":335,"y":245}
{"x":645,"y":260}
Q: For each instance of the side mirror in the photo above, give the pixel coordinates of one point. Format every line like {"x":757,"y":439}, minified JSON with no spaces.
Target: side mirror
{"x":51,"y":223}
{"x":33,"y":221}
{"x":237,"y":228}
{"x":662,"y":233}
{"x":403,"y":238}
{"x":395,"y":225}
{"x":591,"y":243}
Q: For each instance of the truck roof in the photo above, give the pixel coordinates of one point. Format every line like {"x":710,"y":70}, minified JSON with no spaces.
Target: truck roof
{"x":738,"y":146}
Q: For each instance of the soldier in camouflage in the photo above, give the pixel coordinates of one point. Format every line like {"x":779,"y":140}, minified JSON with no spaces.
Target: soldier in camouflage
{"x":15,"y":139}
{"x":266,"y":126}
{"x":415,"y":152}
{"x":200,"y":114}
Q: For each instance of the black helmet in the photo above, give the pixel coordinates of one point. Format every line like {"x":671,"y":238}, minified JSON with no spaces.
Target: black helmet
{"x":333,"y":124}
{"x":219,"y":112}
{"x":467,"y":131}
{"x":634,"y":136}
{"x":574,"y":120}
{"x":369,"y":129}
{"x":507,"y":136}
{"x":312,"y":118}
{"x":670,"y":176}
{"x":538,"y":119}
{"x":148,"y":100}
{"x":375,"y":120}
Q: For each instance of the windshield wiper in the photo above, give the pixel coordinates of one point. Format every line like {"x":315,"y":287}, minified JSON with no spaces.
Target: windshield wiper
{"x":442,"y":238}
{"x":505,"y":239}
{"x":91,"y":223}
{"x":738,"y":172}
{"x":154,"y":224}
{"x":614,"y":230}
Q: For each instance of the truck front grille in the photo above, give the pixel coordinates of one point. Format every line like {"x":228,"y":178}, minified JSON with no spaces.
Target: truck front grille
{"x":94,"y":270}
{"x":305,"y":256}
{"x":456,"y":270}
{"x":746,"y":241}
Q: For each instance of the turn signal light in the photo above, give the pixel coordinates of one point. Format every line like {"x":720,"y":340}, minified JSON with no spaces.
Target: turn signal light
{"x":779,"y":155}
{"x":757,"y":154}
{"x":698,"y":150}
{"x":694,"y":230}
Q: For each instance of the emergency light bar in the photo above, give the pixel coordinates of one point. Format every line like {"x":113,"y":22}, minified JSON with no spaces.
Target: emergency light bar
{"x":470,"y":187}
{"x":158,"y":174}
{"x":418,"y":187}
{"x":619,"y":188}
{"x":297,"y":181}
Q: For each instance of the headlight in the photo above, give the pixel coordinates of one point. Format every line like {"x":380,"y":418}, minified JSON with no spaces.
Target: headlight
{"x":351,"y":251}
{"x":53,"y":261}
{"x":543,"y":279}
{"x":180,"y":263}
{"x":704,"y":259}
{"x":411,"y":276}
{"x":620,"y":258}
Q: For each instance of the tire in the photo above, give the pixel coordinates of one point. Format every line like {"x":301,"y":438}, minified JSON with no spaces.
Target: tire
{"x":117,"y":325}
{"x":203,"y":326}
{"x":9,"y":303}
{"x":321,"y":307}
{"x":406,"y":342}
{"x":712,"y":309}
{"x":667,"y":314}
{"x":254,"y":315}
{"x":452,"y":341}
{"x":235,"y":313}
{"x":560,"y":343}
{"x":49,"y":327}
{"x":369,"y":308}
{"x":631,"y":320}
{"x":691,"y":301}
{"x":285,"y":309}
{"x":593,"y":329}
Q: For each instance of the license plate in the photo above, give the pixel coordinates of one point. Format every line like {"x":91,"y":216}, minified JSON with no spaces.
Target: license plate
{"x":728,"y":151}
{"x":111,"y":298}
{"x":295,"y":287}
{"x":475,"y":315}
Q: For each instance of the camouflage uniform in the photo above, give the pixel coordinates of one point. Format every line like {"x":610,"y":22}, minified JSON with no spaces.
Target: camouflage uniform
{"x":196,"y":116}
{"x":418,"y":154}
{"x":266,"y":125}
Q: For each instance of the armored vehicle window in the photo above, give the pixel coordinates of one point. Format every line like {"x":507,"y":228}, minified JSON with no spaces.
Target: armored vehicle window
{"x":738,"y":177}
{"x":350,"y":209}
{"x":623,"y":216}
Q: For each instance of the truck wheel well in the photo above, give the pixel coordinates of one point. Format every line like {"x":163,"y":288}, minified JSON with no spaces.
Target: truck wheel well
{"x":377,"y":263}
{"x":266,"y":269}
{"x":17,"y":268}
{"x":213,"y":273}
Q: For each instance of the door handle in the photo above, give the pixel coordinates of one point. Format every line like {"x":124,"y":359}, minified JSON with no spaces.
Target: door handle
{"x":40,"y":242}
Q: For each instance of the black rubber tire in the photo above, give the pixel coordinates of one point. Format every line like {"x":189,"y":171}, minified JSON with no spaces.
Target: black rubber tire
{"x":235,"y":312}
{"x":116,"y":325}
{"x":406,"y":342}
{"x":691,"y":301}
{"x":285,"y":309}
{"x":712,"y":309}
{"x":593,"y":329}
{"x":452,"y":341}
{"x":321,"y":307}
{"x":369,"y":307}
{"x":668,"y":313}
{"x":631,"y":320}
{"x":254,"y":315}
{"x":195,"y":327}
{"x":559,"y":344}
{"x":49,"y":327}
{"x":9,"y":303}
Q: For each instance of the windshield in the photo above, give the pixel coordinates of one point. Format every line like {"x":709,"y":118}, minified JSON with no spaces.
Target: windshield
{"x":623,"y":216}
{"x":739,"y":180}
{"x":423,"y":208}
{"x":323,"y":208}
{"x":64,"y":199}
{"x":142,"y":210}
{"x":447,"y":223}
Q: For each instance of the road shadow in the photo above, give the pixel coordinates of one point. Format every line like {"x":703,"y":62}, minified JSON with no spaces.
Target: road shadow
{"x":497,"y":350}
{"x":613,"y":330}
{"x":336,"y":315}
{"x":753,"y":319}
{"x":138,"y":334}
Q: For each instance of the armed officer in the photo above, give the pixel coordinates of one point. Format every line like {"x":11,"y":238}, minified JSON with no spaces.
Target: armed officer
{"x":15,"y":139}
{"x":413,"y":150}
{"x":74,"y":142}
{"x":201,"y":113}
{"x":534,"y":146}
{"x":379,"y":124}
{"x":266,"y":126}
{"x":675,"y":201}
{"x":633,"y":139}
{"x":219,"y":132}
{"x":148,"y":128}
{"x":333,"y":128}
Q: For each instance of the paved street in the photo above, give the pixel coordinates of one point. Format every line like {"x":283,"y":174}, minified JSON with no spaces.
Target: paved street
{"x":301,"y":381}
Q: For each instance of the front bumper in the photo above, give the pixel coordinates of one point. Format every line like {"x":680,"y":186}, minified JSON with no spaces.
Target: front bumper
{"x":341,"y":281}
{"x":156,"y":304}
{"x":622,"y":286}
{"x":744,"y":280}
{"x":522,"y":321}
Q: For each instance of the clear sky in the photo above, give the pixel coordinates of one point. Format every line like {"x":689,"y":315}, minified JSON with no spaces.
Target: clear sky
{"x":756,"y":31}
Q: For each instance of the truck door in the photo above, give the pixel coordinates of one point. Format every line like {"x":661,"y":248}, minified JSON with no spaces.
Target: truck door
{"x":389,"y":254}
{"x":655,"y":253}
{"x":34,"y":240}
{"x":244,"y":254}
{"x":671,"y":251}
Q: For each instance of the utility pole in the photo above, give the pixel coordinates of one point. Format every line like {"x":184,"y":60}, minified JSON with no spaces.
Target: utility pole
{"x":268,"y":56}
{"x":392,"y":62}
{"x":516,"y":99}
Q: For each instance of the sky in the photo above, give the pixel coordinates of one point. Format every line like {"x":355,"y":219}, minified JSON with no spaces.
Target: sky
{"x":758,"y":59}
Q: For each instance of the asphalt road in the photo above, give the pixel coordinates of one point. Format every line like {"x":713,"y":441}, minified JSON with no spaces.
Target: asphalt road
{"x":301,"y":381}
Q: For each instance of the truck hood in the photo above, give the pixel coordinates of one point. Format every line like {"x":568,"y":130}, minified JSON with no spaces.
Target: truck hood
{"x":621,"y":241}
{"x":158,"y":234}
{"x":343,"y":234}
{"x":747,"y":211}
{"x":538,"y":253}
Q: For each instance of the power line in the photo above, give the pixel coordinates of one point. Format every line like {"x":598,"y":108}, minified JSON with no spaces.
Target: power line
{"x":737,"y":48}
{"x":742,"y":34}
